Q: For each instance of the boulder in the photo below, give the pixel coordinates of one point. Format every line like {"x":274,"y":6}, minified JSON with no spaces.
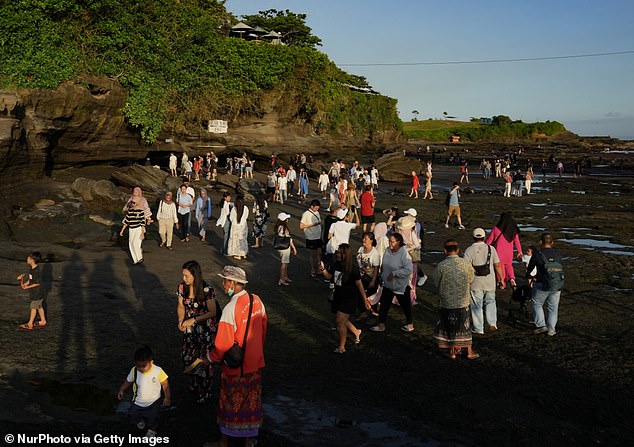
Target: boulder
{"x":148,"y":178}
{"x":249,"y":188}
{"x":83,"y":187}
{"x":42,"y":203}
{"x":103,"y":191}
{"x":395,"y":167}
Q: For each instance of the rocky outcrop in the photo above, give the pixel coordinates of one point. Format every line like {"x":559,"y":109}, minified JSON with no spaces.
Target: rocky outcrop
{"x":76,"y":124}
{"x":395,"y":167}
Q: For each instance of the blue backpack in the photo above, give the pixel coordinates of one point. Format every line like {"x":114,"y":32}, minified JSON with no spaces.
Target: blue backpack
{"x":553,"y":280}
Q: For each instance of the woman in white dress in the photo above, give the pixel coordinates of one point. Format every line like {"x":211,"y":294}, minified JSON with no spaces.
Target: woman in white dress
{"x":238,"y":243}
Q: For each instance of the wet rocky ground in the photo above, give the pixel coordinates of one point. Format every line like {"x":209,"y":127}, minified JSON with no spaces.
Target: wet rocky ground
{"x":394,"y":389}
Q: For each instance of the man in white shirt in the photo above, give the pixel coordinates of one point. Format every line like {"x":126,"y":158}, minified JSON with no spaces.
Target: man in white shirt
{"x":282,"y":185}
{"x":291,"y":177}
{"x":323,"y":183}
{"x":311,"y":225}
{"x":339,"y":232}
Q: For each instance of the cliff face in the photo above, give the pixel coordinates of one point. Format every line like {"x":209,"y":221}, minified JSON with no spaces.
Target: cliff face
{"x":42,"y":130}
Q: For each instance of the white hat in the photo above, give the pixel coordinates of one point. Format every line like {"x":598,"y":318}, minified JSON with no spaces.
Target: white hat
{"x":341,"y":214}
{"x":412,"y":212}
{"x":283,"y":216}
{"x":406,"y":223}
{"x":479,"y":233}
{"x":233,"y":273}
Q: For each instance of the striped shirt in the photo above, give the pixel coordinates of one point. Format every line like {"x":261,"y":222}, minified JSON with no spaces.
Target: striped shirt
{"x":134,"y":218}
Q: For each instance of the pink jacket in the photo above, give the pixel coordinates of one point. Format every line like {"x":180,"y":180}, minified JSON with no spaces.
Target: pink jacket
{"x":504,"y":247}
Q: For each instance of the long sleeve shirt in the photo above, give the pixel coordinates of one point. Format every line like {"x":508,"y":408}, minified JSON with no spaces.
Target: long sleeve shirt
{"x":398,"y":264}
{"x":134,"y":218}
{"x":453,"y":277}
{"x":167,"y":211}
{"x":504,"y":247}
{"x":232,"y":327}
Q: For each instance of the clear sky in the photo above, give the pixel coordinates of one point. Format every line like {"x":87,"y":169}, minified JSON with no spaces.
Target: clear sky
{"x":589,"y":95}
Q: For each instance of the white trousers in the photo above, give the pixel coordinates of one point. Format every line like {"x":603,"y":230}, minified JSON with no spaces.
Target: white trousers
{"x":135,"y":243}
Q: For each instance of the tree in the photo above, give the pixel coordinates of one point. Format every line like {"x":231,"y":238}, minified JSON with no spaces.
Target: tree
{"x":501,"y":120}
{"x":290,"y":25}
{"x":415,"y":113}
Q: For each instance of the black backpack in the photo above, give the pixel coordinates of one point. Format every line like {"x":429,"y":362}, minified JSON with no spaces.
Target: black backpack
{"x":553,"y":280}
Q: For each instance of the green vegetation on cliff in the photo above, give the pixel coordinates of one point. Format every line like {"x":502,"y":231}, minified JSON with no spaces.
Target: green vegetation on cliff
{"x":501,"y":129}
{"x":179,"y":66}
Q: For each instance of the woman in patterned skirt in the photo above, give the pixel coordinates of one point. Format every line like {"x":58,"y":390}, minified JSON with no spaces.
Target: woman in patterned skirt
{"x":198,"y":315}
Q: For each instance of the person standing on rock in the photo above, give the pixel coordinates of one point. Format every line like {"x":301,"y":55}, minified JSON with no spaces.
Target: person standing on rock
{"x":184,"y":161}
{"x":134,"y":219}
{"x":291,"y":177}
{"x":323,"y":184}
{"x":167,"y":217}
{"x":240,"y":413}
{"x":238,"y":245}
{"x":203,"y":213}
{"x":172,"y":164}
{"x":453,"y":205}
{"x":226,"y":205}
{"x":32,"y":281}
{"x":310,"y":223}
{"x":185,"y":204}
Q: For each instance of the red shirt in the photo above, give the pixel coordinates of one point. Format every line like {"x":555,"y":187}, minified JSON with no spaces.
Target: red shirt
{"x":367,"y":204}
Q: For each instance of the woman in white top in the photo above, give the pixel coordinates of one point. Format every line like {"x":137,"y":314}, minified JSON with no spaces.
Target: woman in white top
{"x":238,"y":246}
{"x":167,"y":218}
{"x":223,"y":221}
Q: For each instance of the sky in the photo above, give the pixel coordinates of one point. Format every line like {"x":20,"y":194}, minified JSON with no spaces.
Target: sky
{"x":589,"y":95}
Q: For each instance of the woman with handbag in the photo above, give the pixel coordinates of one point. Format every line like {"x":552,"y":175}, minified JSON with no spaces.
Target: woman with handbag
{"x":283,"y":243}
{"x":406,"y":227}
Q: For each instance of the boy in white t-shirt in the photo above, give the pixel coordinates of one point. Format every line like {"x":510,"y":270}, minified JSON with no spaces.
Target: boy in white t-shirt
{"x":147,"y":380}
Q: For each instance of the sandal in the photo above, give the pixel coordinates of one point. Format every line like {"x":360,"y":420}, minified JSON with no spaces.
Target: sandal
{"x":357,"y":340}
{"x":473,"y":356}
{"x":26,"y":326}
{"x":39,"y":324}
{"x":339,"y":351}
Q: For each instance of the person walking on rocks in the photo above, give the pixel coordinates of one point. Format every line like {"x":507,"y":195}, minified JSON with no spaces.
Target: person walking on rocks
{"x":547,"y":289}
{"x":453,"y":205}
{"x":203,"y":213}
{"x":486,"y":264}
{"x":172,"y":164}
{"x":134,"y":219}
{"x":244,"y":318}
{"x":504,"y":236}
{"x":185,"y":203}
{"x":226,"y":205}
{"x":32,"y":281}
{"x":310,"y":224}
{"x":238,"y":245}
{"x":167,"y":217}
{"x":260,"y":219}
{"x":453,"y":277}
{"x":415,"y":185}
{"x":281,"y":231}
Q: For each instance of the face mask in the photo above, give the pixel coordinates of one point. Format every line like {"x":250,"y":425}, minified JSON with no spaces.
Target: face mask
{"x":230,"y":293}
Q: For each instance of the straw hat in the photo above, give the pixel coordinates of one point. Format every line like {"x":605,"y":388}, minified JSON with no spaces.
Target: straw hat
{"x":406,"y":222}
{"x":233,"y":273}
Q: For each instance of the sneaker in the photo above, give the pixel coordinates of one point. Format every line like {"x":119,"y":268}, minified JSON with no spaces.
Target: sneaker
{"x":540,"y":330}
{"x":377,"y":328}
{"x":461,"y":227}
{"x":150,"y":434}
{"x":421,"y":281}
{"x":446,"y":225}
{"x":406,"y":328}
{"x":140,"y":425}
{"x":477,"y":332}
{"x":552,"y":333}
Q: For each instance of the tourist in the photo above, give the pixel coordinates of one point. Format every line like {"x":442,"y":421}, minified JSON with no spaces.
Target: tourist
{"x":137,"y":196}
{"x":381,"y":237}
{"x":528,"y":181}
{"x":226,"y":205}
{"x":240,"y":402}
{"x":406,"y":227}
{"x":486,"y":264}
{"x":396,"y":271}
{"x":198,"y":313}
{"x":172,"y":164}
{"x":369,"y":262}
{"x":32,"y":281}
{"x":260,"y":219}
{"x":238,"y":245}
{"x":453,"y":205}
{"x":374,"y":177}
{"x":428,"y":194}
{"x":351,"y":200}
{"x":184,"y":161}
{"x":291,"y":177}
{"x":367,"y":208}
{"x":134,"y":219}
{"x":347,"y":280}
{"x":203,"y":213}
{"x":503,"y":236}
{"x":147,"y":380}
{"x":560,"y":168}
{"x":415,"y":185}
{"x":323,"y":183}
{"x":333,"y":203}
{"x":453,"y":277}
{"x":547,"y":289}
{"x":508,"y":184}
{"x":282,"y":186}
{"x":310,"y":223}
{"x":167,"y":217}
{"x":303,"y":184}
{"x":464,"y":173}
{"x":185,"y":203}
{"x":282,"y":233}
{"x":271,"y":183}
{"x":339,"y":232}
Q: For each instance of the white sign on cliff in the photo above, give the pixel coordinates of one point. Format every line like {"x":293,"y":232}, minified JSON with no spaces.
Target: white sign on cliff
{"x":217,"y":126}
